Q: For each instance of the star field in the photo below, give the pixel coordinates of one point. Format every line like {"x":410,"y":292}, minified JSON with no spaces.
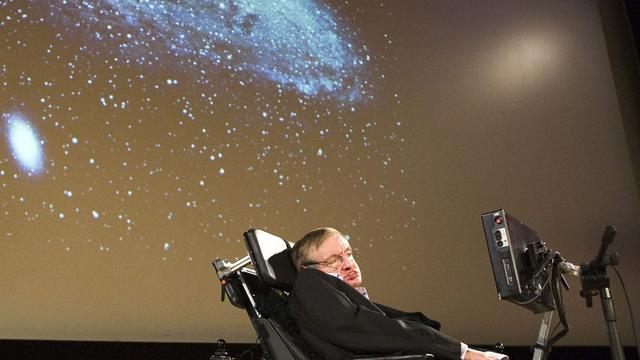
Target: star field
{"x":167,"y":125}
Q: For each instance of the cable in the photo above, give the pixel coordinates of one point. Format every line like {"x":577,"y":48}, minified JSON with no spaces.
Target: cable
{"x":239,"y":356}
{"x":557,"y":297}
{"x":536,"y":296}
{"x":633,"y":320}
{"x":542,"y":266}
{"x":533,"y":279}
{"x":555,"y":328}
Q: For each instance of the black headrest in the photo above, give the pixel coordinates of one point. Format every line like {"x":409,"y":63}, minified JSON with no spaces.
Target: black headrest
{"x":271,"y":258}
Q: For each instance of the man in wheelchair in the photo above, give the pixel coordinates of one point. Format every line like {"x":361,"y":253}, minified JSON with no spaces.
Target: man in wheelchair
{"x":336,"y":317}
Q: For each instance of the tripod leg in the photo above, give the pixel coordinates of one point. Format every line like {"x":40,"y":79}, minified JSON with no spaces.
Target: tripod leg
{"x":539,"y":352}
{"x":617,"y":352}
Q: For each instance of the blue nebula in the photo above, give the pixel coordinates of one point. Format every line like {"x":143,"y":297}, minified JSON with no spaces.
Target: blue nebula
{"x":294,"y":43}
{"x":25,"y":144}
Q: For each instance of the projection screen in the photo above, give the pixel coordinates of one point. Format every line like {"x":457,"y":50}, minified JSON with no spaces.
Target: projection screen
{"x":142,"y":138}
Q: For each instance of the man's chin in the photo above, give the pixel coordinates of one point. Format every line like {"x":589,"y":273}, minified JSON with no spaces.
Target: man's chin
{"x":354,"y":282}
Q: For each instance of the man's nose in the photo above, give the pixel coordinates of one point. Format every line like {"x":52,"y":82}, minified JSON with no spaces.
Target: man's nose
{"x":347,"y":262}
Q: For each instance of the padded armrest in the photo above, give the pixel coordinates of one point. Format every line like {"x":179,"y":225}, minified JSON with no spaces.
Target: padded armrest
{"x":271,"y":258}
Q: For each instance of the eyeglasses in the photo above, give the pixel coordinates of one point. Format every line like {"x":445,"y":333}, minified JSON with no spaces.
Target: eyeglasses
{"x":335,"y":262}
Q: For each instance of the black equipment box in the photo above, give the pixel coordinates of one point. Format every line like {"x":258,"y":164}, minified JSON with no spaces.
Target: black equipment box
{"x":515,"y":251}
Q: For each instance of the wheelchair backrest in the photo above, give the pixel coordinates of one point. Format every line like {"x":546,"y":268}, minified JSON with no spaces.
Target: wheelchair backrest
{"x":271,"y":258}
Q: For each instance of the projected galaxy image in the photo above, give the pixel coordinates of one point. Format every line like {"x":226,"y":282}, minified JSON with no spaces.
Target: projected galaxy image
{"x":165,"y":126}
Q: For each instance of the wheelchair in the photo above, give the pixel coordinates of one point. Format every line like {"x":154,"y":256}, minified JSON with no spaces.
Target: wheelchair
{"x":262,"y":292}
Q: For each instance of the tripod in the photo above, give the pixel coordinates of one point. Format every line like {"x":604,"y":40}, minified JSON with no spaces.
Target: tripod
{"x":594,"y":279}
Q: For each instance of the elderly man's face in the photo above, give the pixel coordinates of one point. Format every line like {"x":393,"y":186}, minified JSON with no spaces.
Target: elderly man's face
{"x":335,"y":256}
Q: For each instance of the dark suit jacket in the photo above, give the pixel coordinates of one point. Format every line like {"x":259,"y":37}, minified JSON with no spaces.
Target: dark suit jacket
{"x":339,"y":322}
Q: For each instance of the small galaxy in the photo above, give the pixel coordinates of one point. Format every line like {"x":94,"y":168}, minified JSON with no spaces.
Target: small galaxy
{"x":25,"y":144}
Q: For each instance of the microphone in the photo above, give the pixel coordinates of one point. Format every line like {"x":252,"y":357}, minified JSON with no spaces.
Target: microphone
{"x":569,"y":268}
{"x":607,"y":239}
